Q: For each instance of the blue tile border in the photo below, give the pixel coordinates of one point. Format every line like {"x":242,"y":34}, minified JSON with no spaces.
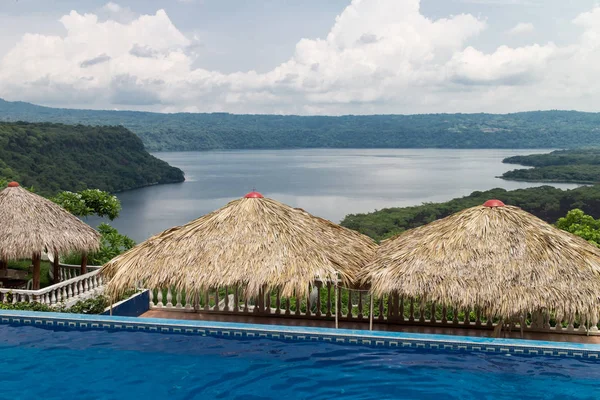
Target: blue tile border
{"x":278,"y":332}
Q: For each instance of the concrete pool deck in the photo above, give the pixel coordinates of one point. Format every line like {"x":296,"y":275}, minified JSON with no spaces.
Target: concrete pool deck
{"x":260,"y":320}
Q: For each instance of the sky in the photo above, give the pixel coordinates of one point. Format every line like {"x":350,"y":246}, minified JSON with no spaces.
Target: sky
{"x":307,"y":57}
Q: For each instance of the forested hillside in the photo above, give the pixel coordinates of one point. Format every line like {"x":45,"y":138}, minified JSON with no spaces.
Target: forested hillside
{"x":546,"y":202}
{"x":177,"y":132}
{"x":578,"y":166}
{"x":53,"y":157}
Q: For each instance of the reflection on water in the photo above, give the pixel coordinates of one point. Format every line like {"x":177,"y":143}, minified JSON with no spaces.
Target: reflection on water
{"x":330,"y":183}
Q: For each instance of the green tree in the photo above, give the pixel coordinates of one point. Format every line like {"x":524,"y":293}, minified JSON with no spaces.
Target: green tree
{"x":113,"y":244}
{"x":89,"y":202}
{"x":582,"y":225}
{"x":103,"y":204}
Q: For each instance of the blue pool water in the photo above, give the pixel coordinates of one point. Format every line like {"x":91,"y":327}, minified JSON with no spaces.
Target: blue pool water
{"x":69,"y":364}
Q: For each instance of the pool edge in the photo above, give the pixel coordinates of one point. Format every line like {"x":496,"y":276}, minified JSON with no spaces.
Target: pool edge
{"x":300,"y":333}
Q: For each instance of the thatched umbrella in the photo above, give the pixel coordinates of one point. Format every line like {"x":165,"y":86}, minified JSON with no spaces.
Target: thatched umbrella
{"x":31,"y":224}
{"x":499,"y":258}
{"x":254,"y":242}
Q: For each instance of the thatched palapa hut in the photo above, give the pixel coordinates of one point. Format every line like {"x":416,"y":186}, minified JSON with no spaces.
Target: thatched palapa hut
{"x":254,"y":242}
{"x":498,"y":258}
{"x":31,"y":224}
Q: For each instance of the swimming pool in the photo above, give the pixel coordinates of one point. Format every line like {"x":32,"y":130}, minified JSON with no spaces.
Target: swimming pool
{"x":55,"y":362}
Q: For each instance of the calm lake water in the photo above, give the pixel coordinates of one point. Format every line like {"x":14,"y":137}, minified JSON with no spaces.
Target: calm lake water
{"x":330,"y":183}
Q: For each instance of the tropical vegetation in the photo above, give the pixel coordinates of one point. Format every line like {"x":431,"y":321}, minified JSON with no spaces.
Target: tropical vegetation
{"x":579,"y":223}
{"x":546,"y":202}
{"x":54,"y":157}
{"x":186,"y":131}
{"x":576,"y":165}
{"x":96,"y":202}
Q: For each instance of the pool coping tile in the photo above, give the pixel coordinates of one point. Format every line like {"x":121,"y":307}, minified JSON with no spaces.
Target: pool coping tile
{"x":299,"y":333}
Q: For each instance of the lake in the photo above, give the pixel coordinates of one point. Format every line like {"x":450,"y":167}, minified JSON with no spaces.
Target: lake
{"x":330,"y":183}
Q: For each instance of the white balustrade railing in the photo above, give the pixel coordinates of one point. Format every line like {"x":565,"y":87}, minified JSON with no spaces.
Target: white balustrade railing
{"x":70,"y":271}
{"x":56,"y":294}
{"x":355,"y":306}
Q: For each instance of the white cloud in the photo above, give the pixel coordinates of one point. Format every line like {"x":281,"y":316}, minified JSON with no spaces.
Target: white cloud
{"x":521,"y":28}
{"x":506,"y":66}
{"x":112,"y":7}
{"x":380,"y":56}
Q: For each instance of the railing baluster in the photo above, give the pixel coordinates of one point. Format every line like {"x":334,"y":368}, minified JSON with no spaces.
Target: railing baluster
{"x":360,"y":305}
{"x":216,"y":307}
{"x":422,"y":311}
{"x":226,"y":308}
{"x":178,"y":299}
{"x":319,"y":284}
{"x":169,"y":298}
{"x":338,"y":306}
{"x":207,"y":300}
{"x":381,"y":317}
{"x":298,"y":305}
{"x":328,"y":314}
{"x":350,"y":303}
{"x":392,"y":307}
{"x":188,"y":299}
{"x":444,"y":314}
{"x":278,"y":302}
{"x":159,"y":298}
{"x":308,"y":305}
{"x":411,"y":316}
{"x":236,"y":300}
{"x":267,"y":302}
{"x":571,"y":323}
{"x":433,"y":318}
{"x":558,"y":326}
{"x":490,"y":321}
{"x":151,"y":296}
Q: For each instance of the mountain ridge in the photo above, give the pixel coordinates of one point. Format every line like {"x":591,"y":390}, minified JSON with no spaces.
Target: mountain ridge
{"x":220,"y":131}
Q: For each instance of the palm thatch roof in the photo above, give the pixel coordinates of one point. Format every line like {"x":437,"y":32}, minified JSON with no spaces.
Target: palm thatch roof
{"x":499,"y":258}
{"x":30,"y":224}
{"x":254,"y":242}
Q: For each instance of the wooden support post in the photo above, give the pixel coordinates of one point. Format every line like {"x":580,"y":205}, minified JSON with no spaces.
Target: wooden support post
{"x":261,"y":300}
{"x":338,"y":307}
{"x":84,"y":263}
{"x":371,"y":313}
{"x":36,"y":270}
{"x":3,"y":264}
{"x":56,"y":268}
